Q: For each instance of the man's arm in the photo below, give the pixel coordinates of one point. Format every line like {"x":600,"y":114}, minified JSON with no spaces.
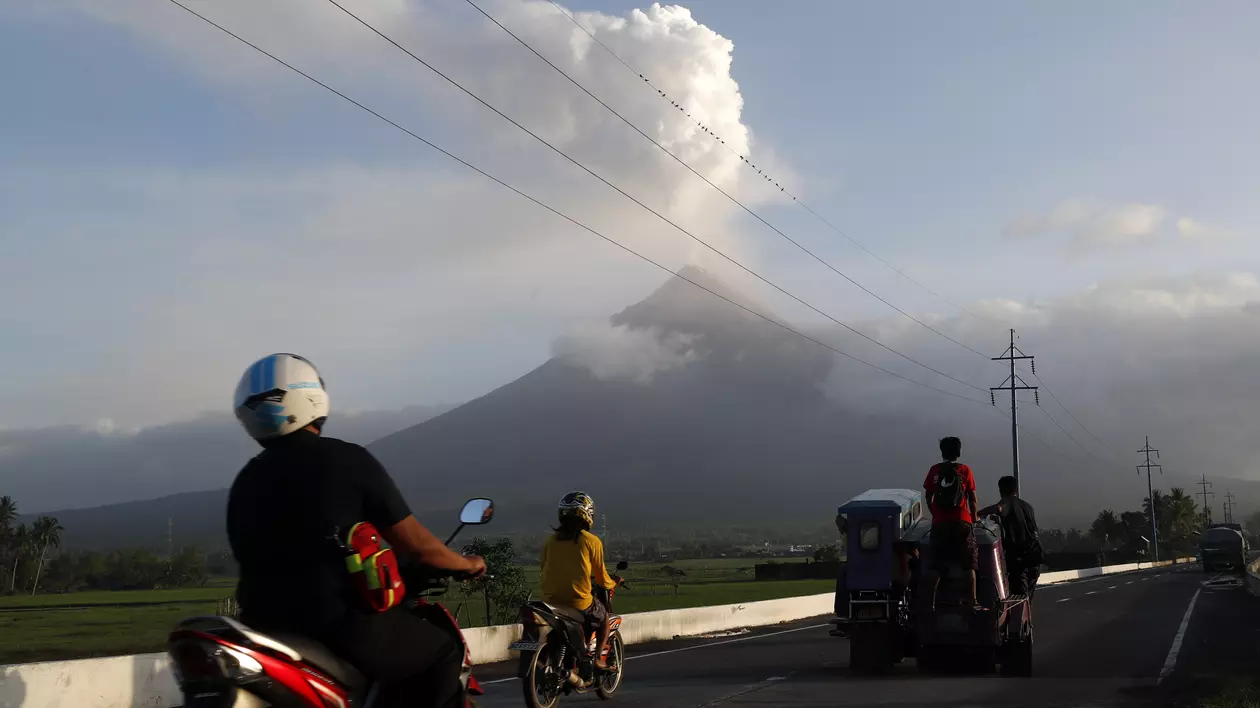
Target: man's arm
{"x":971,"y":494}
{"x":599,"y":569}
{"x":419,"y":543}
{"x":1032,"y":519}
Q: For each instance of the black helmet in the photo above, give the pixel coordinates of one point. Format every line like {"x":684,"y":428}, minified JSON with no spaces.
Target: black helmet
{"x":577,"y":504}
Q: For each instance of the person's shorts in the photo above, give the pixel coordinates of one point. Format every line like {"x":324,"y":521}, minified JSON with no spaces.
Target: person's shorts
{"x":953,"y":544}
{"x":1023,"y":580}
{"x":595,"y":615}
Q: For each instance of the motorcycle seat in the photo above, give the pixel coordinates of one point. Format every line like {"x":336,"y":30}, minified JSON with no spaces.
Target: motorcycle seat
{"x":568,"y":613}
{"x":321,"y":657}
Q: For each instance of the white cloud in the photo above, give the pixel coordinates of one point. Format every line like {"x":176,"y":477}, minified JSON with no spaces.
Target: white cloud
{"x":1093,"y":224}
{"x":364,"y":260}
{"x":624,"y":353}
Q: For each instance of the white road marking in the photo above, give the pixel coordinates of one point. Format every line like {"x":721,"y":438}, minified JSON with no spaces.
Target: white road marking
{"x":1171,"y":662}
{"x":1092,"y":592}
{"x":1065,"y":599}
{"x":1111,"y":587}
{"x":696,"y":646}
{"x":1129,"y":583}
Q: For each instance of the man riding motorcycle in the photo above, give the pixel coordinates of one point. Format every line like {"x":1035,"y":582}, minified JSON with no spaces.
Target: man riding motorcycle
{"x":287,"y":511}
{"x":571,"y":558}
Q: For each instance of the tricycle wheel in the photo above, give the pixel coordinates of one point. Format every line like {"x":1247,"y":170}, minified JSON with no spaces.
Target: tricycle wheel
{"x":870,"y":648}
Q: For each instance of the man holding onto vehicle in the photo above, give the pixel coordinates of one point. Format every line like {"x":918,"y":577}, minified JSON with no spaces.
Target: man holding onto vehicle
{"x":1020,"y":543}
{"x":286,"y":510}
{"x":951,"y":492}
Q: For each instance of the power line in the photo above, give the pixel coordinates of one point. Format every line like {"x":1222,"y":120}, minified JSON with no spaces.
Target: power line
{"x":767,"y":177}
{"x":649,"y":209}
{"x":552,"y":209}
{"x":1070,"y":415}
{"x":707,"y":181}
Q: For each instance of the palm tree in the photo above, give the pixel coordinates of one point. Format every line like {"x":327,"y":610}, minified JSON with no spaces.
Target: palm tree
{"x":1106,"y":528}
{"x":8,"y":514}
{"x":19,"y":543}
{"x":1182,"y":515}
{"x":47,"y":532}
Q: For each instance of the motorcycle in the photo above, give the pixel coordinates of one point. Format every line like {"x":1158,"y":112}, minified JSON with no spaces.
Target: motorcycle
{"x":219,"y":662}
{"x":555,"y":641}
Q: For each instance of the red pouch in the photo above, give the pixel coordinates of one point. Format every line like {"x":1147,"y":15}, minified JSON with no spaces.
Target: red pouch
{"x":373,"y":569}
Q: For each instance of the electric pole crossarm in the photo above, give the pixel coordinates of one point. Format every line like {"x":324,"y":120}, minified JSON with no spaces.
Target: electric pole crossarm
{"x":1014,"y":383}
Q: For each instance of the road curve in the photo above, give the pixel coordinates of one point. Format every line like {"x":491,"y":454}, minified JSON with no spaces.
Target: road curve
{"x":1099,"y":642}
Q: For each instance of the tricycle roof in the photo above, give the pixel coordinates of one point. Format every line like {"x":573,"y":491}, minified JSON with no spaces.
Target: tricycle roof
{"x":888,"y":498}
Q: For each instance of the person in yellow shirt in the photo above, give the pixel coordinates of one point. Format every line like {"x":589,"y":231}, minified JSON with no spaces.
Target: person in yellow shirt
{"x":571,"y":558}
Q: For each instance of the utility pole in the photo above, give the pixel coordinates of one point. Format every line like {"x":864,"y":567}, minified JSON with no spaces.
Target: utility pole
{"x":1150,"y":493}
{"x":1207,"y":508}
{"x":1014,"y":383}
{"x":1229,"y":507}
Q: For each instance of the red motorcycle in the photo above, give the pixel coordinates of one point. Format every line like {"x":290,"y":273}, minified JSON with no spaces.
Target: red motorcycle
{"x":554,"y":642}
{"x":221,"y":663}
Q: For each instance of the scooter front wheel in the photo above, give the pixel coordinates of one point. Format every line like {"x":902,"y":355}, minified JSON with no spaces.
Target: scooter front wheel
{"x":611,"y":681}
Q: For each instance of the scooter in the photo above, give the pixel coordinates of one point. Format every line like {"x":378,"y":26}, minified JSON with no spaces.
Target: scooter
{"x":554,"y":642}
{"x":219,"y":662}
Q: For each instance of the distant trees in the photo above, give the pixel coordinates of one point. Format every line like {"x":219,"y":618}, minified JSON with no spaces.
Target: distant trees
{"x":23,"y":549}
{"x":31,"y":561}
{"x":827,"y":554}
{"x":1177,"y":521}
{"x":507,"y":589}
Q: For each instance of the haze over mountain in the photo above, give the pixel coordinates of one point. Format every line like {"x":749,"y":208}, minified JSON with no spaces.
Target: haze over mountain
{"x":682,"y":409}
{"x":69,"y":467}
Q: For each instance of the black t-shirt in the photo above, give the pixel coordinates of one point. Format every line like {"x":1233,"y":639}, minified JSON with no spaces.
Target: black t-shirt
{"x":285,"y":509}
{"x":1017,"y":534}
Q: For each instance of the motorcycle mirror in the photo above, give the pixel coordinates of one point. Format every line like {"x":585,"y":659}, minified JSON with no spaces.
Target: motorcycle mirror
{"x":476,"y":512}
{"x":622,"y":565}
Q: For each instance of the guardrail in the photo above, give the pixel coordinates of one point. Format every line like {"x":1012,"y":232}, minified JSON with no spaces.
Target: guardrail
{"x":145,"y":680}
{"x":1253,"y":577}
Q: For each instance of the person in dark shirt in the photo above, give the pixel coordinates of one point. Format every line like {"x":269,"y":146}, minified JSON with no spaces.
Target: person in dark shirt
{"x":1021,"y":546}
{"x":287,"y":508}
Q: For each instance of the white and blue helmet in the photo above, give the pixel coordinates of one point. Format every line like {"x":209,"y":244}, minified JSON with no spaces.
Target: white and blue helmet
{"x":278,"y":394}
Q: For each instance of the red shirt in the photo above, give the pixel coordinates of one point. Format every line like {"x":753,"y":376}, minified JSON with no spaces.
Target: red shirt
{"x":968,"y":481}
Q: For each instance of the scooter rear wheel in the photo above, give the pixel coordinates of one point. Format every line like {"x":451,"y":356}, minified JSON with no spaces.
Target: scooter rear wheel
{"x":542,"y":685}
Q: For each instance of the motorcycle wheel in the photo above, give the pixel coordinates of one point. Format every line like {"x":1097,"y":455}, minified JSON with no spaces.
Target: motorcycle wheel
{"x":542,"y":685}
{"x":611,"y":681}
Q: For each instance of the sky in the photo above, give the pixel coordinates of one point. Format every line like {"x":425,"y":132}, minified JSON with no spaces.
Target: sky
{"x":173,"y":205}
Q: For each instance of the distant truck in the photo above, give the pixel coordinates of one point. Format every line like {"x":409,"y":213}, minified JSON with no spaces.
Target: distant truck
{"x":1223,"y":546}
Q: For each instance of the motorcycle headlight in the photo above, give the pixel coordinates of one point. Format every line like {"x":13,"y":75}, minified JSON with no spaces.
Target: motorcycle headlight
{"x":868,"y":536}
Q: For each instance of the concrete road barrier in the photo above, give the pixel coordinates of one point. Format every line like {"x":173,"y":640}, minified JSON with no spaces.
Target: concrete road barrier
{"x":145,"y":680}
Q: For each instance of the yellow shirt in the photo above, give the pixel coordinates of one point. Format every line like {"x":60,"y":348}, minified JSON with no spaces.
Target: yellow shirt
{"x":567,"y":569}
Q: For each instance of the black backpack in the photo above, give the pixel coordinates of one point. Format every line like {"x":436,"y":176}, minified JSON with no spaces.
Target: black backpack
{"x":948,"y":493}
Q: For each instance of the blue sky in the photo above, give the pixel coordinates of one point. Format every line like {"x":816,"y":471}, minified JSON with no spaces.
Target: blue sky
{"x":172,"y":207}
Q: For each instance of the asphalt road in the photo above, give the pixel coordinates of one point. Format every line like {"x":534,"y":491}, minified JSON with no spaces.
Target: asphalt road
{"x":1099,"y":642}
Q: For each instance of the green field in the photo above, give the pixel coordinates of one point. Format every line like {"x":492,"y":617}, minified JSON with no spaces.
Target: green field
{"x":85,"y":624}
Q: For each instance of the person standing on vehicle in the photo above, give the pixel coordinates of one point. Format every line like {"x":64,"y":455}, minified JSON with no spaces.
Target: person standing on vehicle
{"x":951,"y":492}
{"x":286,"y":510}
{"x":1021,"y":546}
{"x":571,"y":558}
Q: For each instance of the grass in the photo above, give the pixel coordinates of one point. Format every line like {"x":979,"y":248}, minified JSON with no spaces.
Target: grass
{"x":1233,"y":692}
{"x":88,"y":624}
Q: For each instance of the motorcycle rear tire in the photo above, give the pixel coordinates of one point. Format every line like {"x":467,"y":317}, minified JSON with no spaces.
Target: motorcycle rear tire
{"x":529,"y":682}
